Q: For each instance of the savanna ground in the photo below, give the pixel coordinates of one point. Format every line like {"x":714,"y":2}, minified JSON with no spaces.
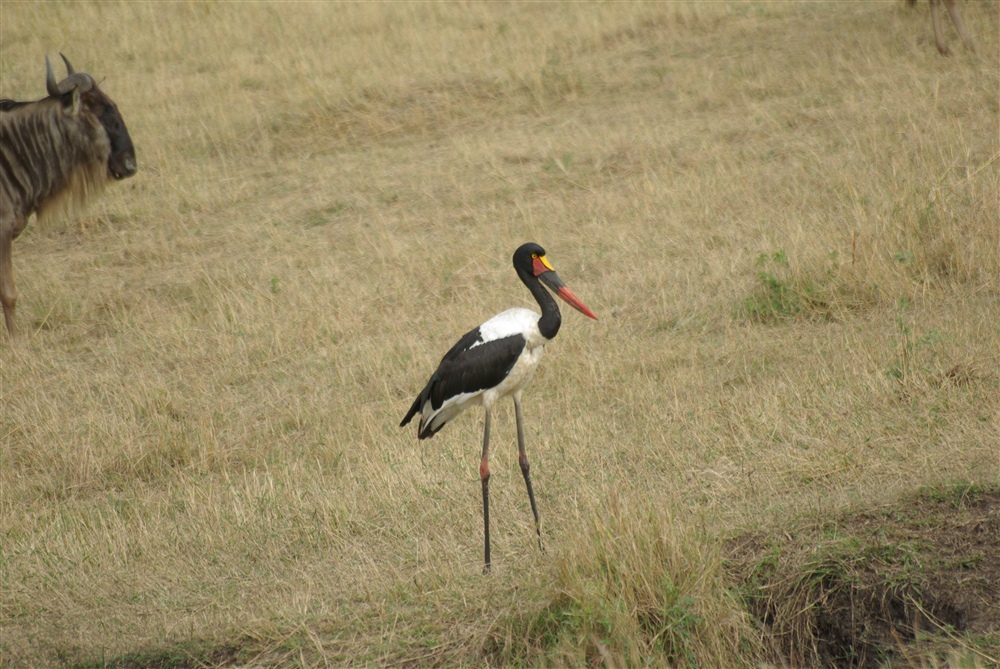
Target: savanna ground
{"x":780,"y":444}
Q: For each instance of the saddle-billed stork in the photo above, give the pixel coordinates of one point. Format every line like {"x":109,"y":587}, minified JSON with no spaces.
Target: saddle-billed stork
{"x":495,"y":360}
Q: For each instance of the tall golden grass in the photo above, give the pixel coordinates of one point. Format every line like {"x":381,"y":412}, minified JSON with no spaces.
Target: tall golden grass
{"x":784,"y":214}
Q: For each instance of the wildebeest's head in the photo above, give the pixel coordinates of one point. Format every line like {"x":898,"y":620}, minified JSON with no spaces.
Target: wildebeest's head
{"x":78,"y":92}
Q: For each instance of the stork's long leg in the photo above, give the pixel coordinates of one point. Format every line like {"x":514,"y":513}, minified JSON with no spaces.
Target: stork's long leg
{"x":484,"y":476}
{"x":522,"y":457}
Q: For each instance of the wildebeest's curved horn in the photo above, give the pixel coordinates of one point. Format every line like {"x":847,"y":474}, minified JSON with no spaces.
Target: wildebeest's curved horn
{"x":74,"y":79}
{"x":80,"y":80}
{"x":69,"y":68}
{"x":50,"y":79}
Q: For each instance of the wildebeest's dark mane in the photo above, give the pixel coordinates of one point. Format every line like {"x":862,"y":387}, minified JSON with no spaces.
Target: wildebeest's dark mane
{"x":53,"y":192}
{"x":7,"y":105}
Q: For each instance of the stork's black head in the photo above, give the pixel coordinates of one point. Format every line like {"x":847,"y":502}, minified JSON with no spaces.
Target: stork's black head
{"x":525,"y":256}
{"x":530,"y":261}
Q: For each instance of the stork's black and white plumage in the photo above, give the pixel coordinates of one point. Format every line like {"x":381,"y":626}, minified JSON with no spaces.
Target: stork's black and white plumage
{"x":495,"y":360}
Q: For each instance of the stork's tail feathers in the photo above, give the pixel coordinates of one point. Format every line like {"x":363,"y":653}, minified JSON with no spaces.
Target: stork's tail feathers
{"x":424,"y":431}
{"x":412,"y":412}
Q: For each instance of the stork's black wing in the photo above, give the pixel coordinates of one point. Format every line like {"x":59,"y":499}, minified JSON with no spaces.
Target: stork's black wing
{"x":469,"y":367}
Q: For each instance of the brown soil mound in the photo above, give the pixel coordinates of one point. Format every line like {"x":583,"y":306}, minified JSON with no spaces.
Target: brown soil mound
{"x":909,"y":585}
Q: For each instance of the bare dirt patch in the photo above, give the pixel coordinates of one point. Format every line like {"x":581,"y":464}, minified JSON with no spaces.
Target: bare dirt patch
{"x":914,"y":582}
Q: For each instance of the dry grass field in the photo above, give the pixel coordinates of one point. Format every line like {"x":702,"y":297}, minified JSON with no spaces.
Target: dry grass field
{"x":785,"y":216}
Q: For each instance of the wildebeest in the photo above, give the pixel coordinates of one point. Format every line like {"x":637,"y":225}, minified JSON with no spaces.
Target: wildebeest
{"x":54,"y":153}
{"x":955,"y":17}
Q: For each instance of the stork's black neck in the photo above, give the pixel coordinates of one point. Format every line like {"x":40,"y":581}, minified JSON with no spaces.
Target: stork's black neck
{"x":551,"y":319}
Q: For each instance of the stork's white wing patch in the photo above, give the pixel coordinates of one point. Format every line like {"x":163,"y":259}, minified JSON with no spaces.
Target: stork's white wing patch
{"x":508,"y":323}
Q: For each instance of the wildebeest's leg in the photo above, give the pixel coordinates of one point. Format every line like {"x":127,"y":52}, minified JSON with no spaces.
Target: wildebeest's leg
{"x":941,"y":46}
{"x":957,"y":19}
{"x":8,"y":293}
